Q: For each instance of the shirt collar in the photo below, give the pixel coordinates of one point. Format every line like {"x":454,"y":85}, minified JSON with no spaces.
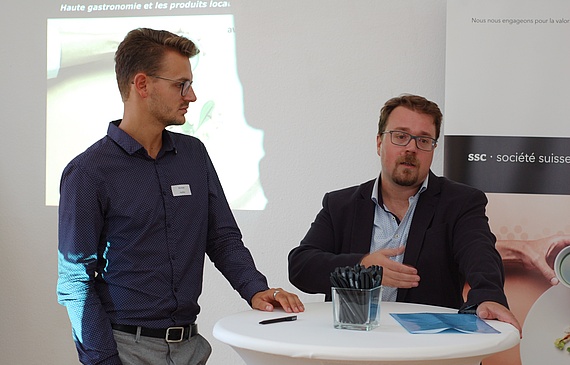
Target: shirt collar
{"x":130,"y":145}
{"x":376,"y":198}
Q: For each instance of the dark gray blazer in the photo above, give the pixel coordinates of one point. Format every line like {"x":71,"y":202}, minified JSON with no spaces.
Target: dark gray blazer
{"x":449,"y":243}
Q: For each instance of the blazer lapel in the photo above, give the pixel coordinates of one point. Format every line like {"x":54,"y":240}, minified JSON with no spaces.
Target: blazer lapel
{"x":421,"y":221}
{"x":363,"y":219}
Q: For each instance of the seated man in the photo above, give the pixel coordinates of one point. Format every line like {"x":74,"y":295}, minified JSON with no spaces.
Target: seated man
{"x":430,"y":234}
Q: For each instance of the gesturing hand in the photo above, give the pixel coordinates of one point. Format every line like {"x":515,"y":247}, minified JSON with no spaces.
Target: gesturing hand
{"x":394,"y":274}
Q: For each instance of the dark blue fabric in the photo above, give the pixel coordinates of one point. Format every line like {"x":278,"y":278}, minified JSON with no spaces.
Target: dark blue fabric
{"x":130,"y":251}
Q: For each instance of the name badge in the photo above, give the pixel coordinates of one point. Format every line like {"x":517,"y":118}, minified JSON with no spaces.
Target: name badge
{"x":181,"y":190}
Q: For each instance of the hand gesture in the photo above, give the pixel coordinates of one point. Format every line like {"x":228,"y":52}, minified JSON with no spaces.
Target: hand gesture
{"x":394,"y":274}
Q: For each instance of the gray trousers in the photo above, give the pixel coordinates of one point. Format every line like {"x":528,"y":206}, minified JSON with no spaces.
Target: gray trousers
{"x":141,"y":350}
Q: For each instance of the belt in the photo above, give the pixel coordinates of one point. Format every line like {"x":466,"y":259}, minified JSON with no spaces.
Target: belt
{"x":170,"y":334}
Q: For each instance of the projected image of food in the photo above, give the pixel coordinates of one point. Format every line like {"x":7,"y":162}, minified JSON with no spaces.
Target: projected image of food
{"x":82,"y":97}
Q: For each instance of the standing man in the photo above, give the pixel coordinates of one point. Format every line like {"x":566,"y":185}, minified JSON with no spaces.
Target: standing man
{"x":138,"y":212}
{"x":430,"y":234}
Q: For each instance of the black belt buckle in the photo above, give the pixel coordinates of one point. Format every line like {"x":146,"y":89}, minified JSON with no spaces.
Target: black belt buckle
{"x":171,"y":334}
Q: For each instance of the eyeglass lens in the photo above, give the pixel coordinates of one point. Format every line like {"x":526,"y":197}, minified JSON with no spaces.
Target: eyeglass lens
{"x":185,"y":87}
{"x":403,"y":138}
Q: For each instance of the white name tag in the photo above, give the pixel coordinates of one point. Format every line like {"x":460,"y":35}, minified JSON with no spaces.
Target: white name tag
{"x":181,"y":190}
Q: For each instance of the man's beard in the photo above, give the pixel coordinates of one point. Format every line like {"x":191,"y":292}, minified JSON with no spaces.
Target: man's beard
{"x":164,"y":114}
{"x":406,"y":176}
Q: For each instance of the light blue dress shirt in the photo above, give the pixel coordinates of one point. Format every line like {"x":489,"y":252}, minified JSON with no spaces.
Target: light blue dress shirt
{"x":388,"y":232}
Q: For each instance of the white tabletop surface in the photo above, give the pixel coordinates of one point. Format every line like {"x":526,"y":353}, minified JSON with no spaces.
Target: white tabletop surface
{"x":312,"y":336}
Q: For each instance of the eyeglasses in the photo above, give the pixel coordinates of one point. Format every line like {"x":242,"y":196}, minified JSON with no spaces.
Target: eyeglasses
{"x":184,"y":85}
{"x":401,"y":138}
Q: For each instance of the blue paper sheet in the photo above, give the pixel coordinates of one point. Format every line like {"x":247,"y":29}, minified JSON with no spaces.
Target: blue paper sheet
{"x":442,"y":323}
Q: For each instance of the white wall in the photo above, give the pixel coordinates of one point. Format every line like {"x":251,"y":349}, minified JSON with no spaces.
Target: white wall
{"x":321,"y":71}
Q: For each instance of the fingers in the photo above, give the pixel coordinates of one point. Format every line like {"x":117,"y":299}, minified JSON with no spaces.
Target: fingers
{"x":288,"y":301}
{"x":391,"y":252}
{"x":394,"y":274}
{"x":382,"y":258}
{"x":400,"y":279}
{"x":492,"y":310}
{"x":547,"y":272}
{"x":266,"y":300}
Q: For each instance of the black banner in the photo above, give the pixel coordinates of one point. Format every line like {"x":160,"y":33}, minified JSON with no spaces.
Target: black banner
{"x":520,"y":165}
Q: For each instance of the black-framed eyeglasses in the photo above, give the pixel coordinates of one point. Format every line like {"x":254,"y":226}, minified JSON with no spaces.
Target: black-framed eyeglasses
{"x":401,"y":138}
{"x":184,"y":85}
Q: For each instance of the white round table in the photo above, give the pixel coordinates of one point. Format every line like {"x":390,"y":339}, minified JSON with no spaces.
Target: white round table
{"x":312,"y":339}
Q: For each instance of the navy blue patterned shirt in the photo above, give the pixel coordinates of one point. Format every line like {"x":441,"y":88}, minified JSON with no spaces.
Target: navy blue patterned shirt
{"x":133,"y":234}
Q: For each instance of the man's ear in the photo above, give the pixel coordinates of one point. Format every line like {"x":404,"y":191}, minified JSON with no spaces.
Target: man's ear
{"x":378,"y":143}
{"x":140,"y":83}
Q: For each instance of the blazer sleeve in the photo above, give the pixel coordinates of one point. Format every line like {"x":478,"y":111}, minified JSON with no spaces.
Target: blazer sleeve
{"x":336,"y":238}
{"x":476,"y":255}
{"x":450,"y":243}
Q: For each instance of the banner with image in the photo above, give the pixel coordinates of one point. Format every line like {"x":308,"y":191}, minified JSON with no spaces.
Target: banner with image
{"x":507,"y":132}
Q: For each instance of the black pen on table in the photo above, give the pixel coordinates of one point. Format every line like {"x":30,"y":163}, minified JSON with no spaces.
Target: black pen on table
{"x":280,"y":319}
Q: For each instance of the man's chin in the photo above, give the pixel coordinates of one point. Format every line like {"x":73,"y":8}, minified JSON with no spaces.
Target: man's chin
{"x":407,"y":183}
{"x":177,"y":121}
{"x":406,"y":179}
